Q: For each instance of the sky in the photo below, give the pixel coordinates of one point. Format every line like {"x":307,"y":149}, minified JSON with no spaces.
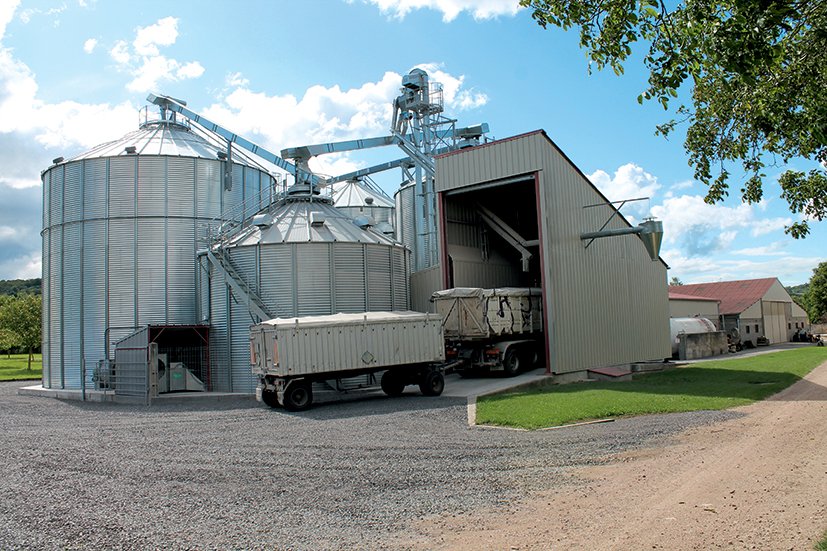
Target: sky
{"x":75,"y":73}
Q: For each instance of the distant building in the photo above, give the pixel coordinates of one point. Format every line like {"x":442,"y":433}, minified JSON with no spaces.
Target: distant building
{"x":689,"y":306}
{"x":756,"y":307}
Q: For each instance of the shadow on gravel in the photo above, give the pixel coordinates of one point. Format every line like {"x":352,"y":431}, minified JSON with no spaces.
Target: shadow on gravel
{"x":371,"y":405}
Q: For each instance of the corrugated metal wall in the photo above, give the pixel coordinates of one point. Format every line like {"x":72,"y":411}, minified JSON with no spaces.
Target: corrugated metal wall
{"x":606,"y":305}
{"x":119,"y":243}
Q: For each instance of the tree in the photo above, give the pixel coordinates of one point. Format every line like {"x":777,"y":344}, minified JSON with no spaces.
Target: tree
{"x":8,"y":338}
{"x":22,"y":316}
{"x":757,"y":74}
{"x":817,"y":294}
{"x":675,"y":281}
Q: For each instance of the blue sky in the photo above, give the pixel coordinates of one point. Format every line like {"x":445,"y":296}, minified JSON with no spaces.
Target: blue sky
{"x":74,"y":73}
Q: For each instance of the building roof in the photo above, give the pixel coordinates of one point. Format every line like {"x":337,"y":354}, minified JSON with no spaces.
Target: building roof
{"x":735,"y":296}
{"x":168,"y":139}
{"x":351,"y":194}
{"x":680,"y":296}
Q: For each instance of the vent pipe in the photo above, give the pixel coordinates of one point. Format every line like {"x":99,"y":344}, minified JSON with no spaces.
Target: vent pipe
{"x":650,"y":232}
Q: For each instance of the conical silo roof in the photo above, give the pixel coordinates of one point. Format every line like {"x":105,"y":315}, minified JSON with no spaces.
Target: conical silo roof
{"x":304,"y":221}
{"x":156,"y":138}
{"x":351,"y":194}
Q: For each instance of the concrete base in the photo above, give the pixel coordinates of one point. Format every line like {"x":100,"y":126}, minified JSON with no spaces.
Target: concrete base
{"x":610,"y":374}
{"x":110,"y":396}
{"x":651,"y":366}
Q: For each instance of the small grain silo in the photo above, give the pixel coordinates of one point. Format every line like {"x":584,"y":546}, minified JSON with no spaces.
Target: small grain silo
{"x":301,"y":257}
{"x":359,"y":202}
{"x":121,"y":227}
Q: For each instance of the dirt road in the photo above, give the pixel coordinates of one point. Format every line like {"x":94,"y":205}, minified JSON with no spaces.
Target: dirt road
{"x":755,"y":482}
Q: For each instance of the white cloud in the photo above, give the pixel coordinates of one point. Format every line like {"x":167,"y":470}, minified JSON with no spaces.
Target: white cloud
{"x":20,"y":183}
{"x":701,"y":229}
{"x":28,"y":266}
{"x":145,"y":63}
{"x":89,"y":45}
{"x":7,"y":9}
{"x":321,"y":115}
{"x":775,"y":248}
{"x":479,"y":9}
{"x":629,"y":182}
{"x":454,"y":96}
{"x":691,"y":269}
{"x":163,"y":33}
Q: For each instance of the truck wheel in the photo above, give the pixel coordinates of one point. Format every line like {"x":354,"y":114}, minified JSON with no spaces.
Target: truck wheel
{"x":270,"y":397}
{"x":392,"y":385}
{"x":511,"y":362}
{"x":298,"y":396}
{"x":432,"y":384}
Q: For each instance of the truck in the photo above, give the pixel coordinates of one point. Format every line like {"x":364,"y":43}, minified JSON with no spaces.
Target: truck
{"x":345,"y":352}
{"x":498,"y":329}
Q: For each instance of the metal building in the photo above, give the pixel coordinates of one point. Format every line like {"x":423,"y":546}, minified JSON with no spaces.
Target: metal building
{"x":303,"y":257}
{"x":121,"y":226}
{"x":518,"y":213}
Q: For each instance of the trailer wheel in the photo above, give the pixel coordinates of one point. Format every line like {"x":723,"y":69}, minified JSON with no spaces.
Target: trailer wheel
{"x":392,"y":384}
{"x":298,"y":396}
{"x":270,"y":398}
{"x":432,"y":384}
{"x":511,"y":362}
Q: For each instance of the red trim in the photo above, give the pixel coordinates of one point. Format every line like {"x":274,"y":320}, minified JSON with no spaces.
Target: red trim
{"x":443,"y":240}
{"x":543,"y":282}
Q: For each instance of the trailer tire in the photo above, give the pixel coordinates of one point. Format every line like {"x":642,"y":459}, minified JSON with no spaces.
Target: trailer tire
{"x":392,"y":384}
{"x":512,"y":363}
{"x":432,"y":384}
{"x":270,"y":398}
{"x":298,"y":396}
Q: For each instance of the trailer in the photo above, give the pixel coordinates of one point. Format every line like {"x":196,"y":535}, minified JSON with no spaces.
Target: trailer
{"x":492,"y":329}
{"x":344,"y":352}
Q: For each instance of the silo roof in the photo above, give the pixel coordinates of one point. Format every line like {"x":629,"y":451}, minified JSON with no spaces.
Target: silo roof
{"x":161,"y":138}
{"x":293,"y":222}
{"x":351,"y":194}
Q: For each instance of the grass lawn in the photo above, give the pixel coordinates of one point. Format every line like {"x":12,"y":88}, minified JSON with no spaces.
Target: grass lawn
{"x":14,"y":368}
{"x":821,"y":545}
{"x":704,"y":386}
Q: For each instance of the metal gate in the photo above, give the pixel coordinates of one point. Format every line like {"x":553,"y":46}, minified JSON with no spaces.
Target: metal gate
{"x":131,"y":373}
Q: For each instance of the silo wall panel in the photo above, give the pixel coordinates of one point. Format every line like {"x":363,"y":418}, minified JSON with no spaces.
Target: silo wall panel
{"x":94,"y":189}
{"x":94,"y":293}
{"x":122,"y":273}
{"x":181,"y":299}
{"x":151,"y":186}
{"x":73,"y":192}
{"x":209,"y":188}
{"x":314,"y":283}
{"x":380,"y":296}
{"x":278,"y":279}
{"x":221,"y":376}
{"x":150,"y":269}
{"x":46,"y":297}
{"x":72,"y":286}
{"x":180,"y":184}
{"x":239,"y":323}
{"x":55,"y":309}
{"x":349,"y":287}
{"x":401,"y":276}
{"x":122,"y":196}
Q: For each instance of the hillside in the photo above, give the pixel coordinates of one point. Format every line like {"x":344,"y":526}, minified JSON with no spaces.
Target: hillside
{"x":15,"y":286}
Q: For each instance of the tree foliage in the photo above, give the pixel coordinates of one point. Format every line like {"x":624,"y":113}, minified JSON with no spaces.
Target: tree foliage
{"x":757,"y":74}
{"x":675,"y":281}
{"x":817,"y":294}
{"x":16,"y":286}
{"x":21,"y":316}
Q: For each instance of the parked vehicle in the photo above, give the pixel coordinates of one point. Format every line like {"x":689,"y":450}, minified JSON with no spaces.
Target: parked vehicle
{"x":492,"y":329}
{"x":345,"y":352}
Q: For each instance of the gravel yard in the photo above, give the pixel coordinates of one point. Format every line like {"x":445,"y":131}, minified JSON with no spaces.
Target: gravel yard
{"x":237,"y":475}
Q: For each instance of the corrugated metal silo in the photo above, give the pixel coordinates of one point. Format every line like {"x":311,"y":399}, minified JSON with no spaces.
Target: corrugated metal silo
{"x":309,"y":259}
{"x":121,"y":226}
{"x":358,"y":201}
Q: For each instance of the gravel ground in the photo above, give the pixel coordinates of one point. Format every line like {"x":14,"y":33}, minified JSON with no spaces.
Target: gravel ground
{"x":237,"y":475}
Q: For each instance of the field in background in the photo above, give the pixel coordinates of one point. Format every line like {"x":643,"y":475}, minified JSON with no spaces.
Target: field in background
{"x":14,"y":368}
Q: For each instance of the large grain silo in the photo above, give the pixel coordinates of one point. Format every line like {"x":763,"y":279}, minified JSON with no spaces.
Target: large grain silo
{"x":303,"y":257}
{"x":121,"y":227}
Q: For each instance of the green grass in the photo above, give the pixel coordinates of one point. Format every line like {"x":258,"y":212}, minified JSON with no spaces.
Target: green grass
{"x":821,"y":545}
{"x":704,"y":386}
{"x":14,"y":368}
